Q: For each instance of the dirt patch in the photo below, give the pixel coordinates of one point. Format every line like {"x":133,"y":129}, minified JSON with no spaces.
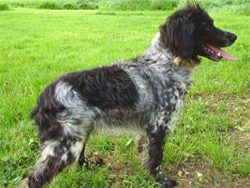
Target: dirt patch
{"x":237,"y":105}
{"x":203,"y":175}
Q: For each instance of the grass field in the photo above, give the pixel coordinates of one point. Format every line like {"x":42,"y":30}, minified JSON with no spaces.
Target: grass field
{"x":211,"y":147}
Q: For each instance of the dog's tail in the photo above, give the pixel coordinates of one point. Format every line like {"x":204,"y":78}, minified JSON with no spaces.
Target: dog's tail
{"x":34,"y":112}
{"x":45,"y":115}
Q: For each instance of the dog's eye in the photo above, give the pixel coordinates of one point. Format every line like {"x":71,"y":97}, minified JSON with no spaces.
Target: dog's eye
{"x":207,"y":26}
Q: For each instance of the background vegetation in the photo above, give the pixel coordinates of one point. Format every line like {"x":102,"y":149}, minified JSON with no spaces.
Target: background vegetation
{"x":239,"y":6}
{"x":211,"y":146}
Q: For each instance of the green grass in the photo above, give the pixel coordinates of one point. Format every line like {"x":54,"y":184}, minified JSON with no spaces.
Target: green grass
{"x":241,"y":7}
{"x":211,"y":144}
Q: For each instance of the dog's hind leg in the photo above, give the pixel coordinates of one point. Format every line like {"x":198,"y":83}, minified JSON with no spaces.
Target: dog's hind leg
{"x":83,"y":160}
{"x":150,"y":146}
{"x":55,"y":156}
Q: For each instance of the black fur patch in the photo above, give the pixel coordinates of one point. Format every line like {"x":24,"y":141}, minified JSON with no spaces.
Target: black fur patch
{"x":177,"y":33}
{"x":186,"y":31}
{"x":104,"y":87}
{"x":45,"y":114}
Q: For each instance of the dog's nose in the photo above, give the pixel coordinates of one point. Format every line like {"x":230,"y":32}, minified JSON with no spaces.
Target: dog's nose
{"x":233,"y":37}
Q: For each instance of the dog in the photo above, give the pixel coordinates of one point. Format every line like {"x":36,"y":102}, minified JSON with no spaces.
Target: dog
{"x":145,"y":94}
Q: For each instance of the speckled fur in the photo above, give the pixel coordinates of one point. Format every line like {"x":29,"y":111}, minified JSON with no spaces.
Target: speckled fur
{"x":144,"y":95}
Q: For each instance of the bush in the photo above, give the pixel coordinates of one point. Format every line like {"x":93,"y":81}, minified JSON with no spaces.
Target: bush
{"x":18,"y":4}
{"x":4,"y":6}
{"x":163,"y":5}
{"x":142,"y":4}
{"x":70,"y":6}
{"x":49,"y":5}
{"x":88,"y":6}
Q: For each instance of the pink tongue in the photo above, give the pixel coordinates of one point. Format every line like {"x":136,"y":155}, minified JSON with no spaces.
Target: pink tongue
{"x":222,"y":52}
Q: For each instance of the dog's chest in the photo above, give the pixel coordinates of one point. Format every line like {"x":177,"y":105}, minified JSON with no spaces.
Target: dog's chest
{"x":171,"y":101}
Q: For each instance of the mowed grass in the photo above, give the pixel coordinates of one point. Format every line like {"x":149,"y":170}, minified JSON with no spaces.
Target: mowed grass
{"x":211,"y":145}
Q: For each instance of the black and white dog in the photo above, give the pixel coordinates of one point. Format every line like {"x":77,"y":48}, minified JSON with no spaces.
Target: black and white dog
{"x":145,"y":94}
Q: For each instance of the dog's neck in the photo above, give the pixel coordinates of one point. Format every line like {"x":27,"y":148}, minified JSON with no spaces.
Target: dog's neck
{"x":157,"y":47}
{"x":186,"y":64}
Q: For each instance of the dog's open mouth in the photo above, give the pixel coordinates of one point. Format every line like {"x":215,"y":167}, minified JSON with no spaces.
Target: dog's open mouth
{"x":215,"y":53}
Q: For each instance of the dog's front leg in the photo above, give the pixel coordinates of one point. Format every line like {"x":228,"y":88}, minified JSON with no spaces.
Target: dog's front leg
{"x":151,"y":147}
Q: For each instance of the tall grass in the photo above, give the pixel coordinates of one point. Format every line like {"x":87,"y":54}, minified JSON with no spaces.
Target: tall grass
{"x":50,"y":5}
{"x":72,"y":5}
{"x":141,"y":5}
{"x":239,"y":6}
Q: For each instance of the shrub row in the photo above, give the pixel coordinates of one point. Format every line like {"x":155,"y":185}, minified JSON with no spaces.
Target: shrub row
{"x":239,"y":6}
{"x":141,"y":4}
{"x":70,"y":6}
{"x":4,"y":6}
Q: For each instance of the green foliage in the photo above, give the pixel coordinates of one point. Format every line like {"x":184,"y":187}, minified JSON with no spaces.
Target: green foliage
{"x":70,"y":6}
{"x":239,"y":6}
{"x":50,"y":5}
{"x":141,"y":4}
{"x":12,"y":167}
{"x":89,"y":6}
{"x":243,"y":9}
{"x":4,"y":6}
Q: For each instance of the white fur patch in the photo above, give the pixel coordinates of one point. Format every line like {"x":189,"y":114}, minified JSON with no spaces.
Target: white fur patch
{"x":66,"y":96}
{"x":48,"y":149}
{"x":76,"y":149}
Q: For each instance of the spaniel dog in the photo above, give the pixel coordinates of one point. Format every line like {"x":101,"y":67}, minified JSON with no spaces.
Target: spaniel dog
{"x":145,"y":95}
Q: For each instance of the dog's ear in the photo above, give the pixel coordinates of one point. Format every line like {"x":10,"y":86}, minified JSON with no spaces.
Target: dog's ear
{"x":177,"y":35}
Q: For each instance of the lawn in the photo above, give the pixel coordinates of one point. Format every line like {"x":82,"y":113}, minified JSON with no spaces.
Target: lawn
{"x":211,"y":145}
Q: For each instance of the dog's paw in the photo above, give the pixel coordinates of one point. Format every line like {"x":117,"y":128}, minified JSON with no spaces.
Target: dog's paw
{"x":87,"y":163}
{"x":169,"y":183}
{"x":97,"y":162}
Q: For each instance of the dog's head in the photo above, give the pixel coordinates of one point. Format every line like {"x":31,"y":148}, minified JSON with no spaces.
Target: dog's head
{"x":190,"y":32}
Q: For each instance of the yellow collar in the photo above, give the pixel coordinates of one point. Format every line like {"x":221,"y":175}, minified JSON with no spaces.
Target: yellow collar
{"x":186,"y":64}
